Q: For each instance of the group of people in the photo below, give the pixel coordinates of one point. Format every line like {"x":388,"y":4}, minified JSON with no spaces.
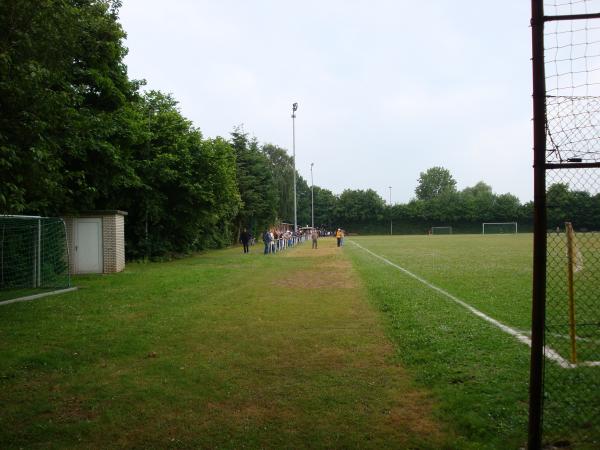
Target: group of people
{"x":277,"y":240}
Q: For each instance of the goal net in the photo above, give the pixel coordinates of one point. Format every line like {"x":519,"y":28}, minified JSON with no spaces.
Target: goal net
{"x":499,"y":228}
{"x":33,"y":254}
{"x":441,"y":230}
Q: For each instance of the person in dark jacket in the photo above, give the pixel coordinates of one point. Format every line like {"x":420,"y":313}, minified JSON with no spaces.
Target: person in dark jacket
{"x":245,"y":240}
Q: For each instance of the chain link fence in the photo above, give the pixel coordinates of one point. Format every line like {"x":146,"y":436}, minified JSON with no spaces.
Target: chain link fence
{"x":571,"y":333}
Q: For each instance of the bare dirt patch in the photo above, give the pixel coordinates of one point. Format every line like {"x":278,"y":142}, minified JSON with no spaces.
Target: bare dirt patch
{"x":257,"y":411}
{"x":325,"y":249}
{"x":74,"y":409}
{"x":327,"y":277}
{"x":327,"y":271}
{"x":409,"y":414}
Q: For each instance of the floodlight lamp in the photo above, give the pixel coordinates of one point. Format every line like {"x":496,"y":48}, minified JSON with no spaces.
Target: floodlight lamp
{"x":295,"y":107}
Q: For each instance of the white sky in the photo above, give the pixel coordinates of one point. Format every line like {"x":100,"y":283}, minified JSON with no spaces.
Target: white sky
{"x":386,"y":88}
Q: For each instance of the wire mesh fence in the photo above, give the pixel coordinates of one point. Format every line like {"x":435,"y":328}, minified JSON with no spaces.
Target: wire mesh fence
{"x":33,"y":255}
{"x":571,"y":374}
{"x":572,"y":329}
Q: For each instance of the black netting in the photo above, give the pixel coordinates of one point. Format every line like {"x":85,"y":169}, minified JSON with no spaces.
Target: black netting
{"x":571,"y":410}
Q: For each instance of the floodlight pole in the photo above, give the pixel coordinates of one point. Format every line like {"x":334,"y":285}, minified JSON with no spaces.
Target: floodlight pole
{"x":312,"y":196}
{"x":391,"y":229}
{"x":294,"y":109}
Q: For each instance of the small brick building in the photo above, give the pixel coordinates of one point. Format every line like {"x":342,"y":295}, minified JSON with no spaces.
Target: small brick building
{"x":96,"y":241}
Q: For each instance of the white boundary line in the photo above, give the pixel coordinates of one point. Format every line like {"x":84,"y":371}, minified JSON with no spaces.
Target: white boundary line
{"x":36,"y":296}
{"x":548,"y":352}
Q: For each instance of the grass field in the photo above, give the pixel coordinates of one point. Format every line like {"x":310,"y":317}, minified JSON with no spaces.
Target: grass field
{"x":445,"y":344}
{"x":327,"y":348}
{"x":480,"y":372}
{"x":222,"y":350}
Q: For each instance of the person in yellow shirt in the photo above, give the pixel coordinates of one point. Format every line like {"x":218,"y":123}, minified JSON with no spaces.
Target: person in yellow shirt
{"x":338,"y":236}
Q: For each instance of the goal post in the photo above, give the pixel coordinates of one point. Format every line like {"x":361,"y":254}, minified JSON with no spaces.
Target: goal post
{"x":499,"y":228}
{"x":441,"y":230}
{"x":33,"y":254}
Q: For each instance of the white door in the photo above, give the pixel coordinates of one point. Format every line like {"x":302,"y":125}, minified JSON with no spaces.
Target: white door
{"x":88,"y":245}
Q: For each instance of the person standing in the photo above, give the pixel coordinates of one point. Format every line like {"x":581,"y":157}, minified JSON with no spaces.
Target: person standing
{"x":267,"y":241}
{"x":338,"y":236}
{"x":314,"y":236}
{"x":245,"y":240}
{"x":272,"y":237}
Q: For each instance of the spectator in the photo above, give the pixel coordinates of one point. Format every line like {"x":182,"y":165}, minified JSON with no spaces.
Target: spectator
{"x":245,"y":240}
{"x":267,"y":241}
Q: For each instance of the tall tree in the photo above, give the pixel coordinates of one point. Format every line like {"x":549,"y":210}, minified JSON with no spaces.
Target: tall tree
{"x":325,"y":206}
{"x":282,"y":168}
{"x":63,"y":96}
{"x":478,"y":203}
{"x":359,"y":206}
{"x":255,"y":181}
{"x":187,"y":186}
{"x":434,"y":182}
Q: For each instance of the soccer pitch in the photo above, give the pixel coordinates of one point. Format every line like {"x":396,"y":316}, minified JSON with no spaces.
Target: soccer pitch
{"x":491,"y":277}
{"x":491,"y":273}
{"x":459,"y":311}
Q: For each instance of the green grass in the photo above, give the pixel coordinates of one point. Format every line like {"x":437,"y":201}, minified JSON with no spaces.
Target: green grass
{"x":479,"y":373}
{"x":327,"y":348}
{"x":222,"y":350}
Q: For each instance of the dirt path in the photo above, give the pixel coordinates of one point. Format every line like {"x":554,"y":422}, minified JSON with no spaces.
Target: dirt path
{"x":329,"y":363}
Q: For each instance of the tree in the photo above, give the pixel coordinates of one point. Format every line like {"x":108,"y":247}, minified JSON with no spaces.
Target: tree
{"x":358,"y":206}
{"x":325,"y":206}
{"x":434,"y":182}
{"x":303,"y":200}
{"x":506,"y":208}
{"x":558,"y":201}
{"x":256,"y":185}
{"x":478,"y":203}
{"x":63,"y":102}
{"x":282,"y":168}
{"x":187,"y":194}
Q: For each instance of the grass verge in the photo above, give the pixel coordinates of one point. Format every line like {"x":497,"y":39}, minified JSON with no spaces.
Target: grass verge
{"x":222,"y":350}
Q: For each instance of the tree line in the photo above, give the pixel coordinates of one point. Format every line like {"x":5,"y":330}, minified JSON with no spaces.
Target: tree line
{"x":77,"y":134}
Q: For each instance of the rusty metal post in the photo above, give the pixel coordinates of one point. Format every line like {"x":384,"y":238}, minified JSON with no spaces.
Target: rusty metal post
{"x":536,"y":374}
{"x":571,"y":263}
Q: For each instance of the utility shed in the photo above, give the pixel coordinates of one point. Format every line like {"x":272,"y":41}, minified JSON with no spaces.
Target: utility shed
{"x":96,"y":241}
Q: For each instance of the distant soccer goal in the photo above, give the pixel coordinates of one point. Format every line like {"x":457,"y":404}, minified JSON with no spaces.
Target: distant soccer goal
{"x":499,"y":228}
{"x":441,"y":230}
{"x":33,"y":255}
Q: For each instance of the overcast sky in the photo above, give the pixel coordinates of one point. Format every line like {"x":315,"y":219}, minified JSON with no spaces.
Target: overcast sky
{"x":386,"y":89}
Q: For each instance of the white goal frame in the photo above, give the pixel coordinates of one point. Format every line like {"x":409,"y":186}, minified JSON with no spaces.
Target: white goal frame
{"x":500,"y":223}
{"x":438,"y":228}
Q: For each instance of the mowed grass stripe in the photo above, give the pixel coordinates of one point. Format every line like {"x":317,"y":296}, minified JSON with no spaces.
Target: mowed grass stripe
{"x":220,"y":350}
{"x":478,"y":375}
{"x":521,"y":337}
{"x":492,"y":273}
